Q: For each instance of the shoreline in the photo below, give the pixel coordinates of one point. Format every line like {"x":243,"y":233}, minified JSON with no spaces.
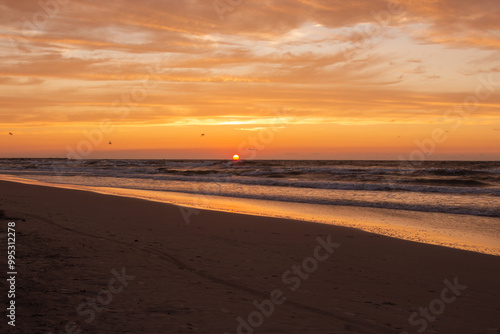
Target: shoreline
{"x":474,"y":233}
{"x":215,"y":272}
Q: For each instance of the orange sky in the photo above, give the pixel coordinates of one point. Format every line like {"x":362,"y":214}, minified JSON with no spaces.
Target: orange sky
{"x":274,"y":79}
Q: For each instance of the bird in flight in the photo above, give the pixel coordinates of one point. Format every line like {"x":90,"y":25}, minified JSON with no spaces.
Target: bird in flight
{"x":110,"y":142}
{"x":202,"y":134}
{"x":10,"y":133}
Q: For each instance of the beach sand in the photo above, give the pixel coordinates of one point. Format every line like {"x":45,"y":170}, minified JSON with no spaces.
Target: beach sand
{"x":94,"y":263}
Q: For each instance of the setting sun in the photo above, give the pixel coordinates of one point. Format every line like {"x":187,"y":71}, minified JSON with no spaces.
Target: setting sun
{"x":236,"y":157}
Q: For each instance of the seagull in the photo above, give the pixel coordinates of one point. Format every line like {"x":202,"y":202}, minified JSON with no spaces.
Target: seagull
{"x":10,"y":133}
{"x":202,"y":134}
{"x":110,"y":142}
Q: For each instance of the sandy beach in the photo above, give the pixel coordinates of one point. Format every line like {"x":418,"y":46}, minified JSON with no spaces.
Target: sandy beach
{"x":94,"y":263}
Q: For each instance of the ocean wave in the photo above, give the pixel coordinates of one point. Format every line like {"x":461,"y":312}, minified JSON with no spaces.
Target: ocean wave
{"x":482,"y":178}
{"x":188,"y":172}
{"x":453,"y":172}
{"x":450,"y":182}
{"x":297,"y":183}
{"x":463,"y":201}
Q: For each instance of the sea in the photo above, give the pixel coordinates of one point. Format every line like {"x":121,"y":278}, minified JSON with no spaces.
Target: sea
{"x":461,"y":188}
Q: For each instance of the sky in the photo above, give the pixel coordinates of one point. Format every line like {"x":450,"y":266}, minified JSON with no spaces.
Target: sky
{"x":270,"y":79}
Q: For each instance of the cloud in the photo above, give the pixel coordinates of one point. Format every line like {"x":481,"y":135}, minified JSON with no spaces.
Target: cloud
{"x":458,"y":23}
{"x":15,"y":81}
{"x":327,"y":60}
{"x":259,"y":128}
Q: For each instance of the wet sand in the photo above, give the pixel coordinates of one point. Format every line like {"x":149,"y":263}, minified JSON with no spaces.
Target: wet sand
{"x":95,"y":263}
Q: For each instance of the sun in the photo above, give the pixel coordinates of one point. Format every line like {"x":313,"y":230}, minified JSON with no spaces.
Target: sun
{"x":236,"y":157}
